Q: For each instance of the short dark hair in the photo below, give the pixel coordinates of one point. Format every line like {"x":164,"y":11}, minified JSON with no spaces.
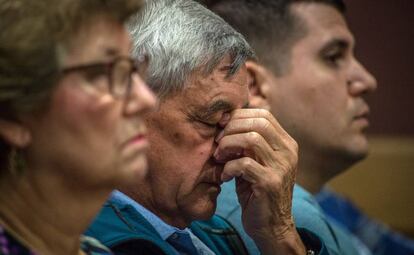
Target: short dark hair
{"x":269,"y":26}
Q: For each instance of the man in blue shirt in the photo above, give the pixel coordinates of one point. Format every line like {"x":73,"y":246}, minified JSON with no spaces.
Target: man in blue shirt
{"x":201,"y":135}
{"x":309,"y":78}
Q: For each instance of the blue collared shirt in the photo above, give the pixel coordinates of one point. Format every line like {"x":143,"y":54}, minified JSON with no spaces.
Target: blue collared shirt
{"x":163,"y":229}
{"x":307,"y":215}
{"x":376,"y":236}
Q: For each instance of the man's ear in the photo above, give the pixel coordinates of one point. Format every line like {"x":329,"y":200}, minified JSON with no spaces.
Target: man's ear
{"x":15,"y":133}
{"x":259,"y":86}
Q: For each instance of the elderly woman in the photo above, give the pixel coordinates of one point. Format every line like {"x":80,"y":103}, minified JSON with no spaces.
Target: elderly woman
{"x":71,"y":131}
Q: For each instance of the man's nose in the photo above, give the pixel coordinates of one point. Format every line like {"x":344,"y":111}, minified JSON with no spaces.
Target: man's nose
{"x":361,"y":81}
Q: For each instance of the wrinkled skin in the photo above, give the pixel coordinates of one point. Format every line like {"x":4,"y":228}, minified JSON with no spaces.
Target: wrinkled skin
{"x":265,"y":174}
{"x":203,"y":136}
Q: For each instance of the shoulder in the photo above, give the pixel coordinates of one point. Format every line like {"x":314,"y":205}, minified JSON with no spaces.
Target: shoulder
{"x":306,"y":211}
{"x":340,"y":209}
{"x":309,"y":216}
{"x":122,"y":228}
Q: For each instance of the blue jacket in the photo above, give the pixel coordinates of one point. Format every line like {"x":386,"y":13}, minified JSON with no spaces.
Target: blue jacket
{"x":120,"y":227}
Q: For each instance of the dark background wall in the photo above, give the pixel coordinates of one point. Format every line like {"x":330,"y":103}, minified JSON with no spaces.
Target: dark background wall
{"x":384,"y":32}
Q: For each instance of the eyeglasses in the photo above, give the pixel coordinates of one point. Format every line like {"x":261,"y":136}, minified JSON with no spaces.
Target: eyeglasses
{"x":119,"y":73}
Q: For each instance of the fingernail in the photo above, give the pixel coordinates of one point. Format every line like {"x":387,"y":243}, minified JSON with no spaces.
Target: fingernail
{"x":216,"y":155}
{"x":219,"y":136}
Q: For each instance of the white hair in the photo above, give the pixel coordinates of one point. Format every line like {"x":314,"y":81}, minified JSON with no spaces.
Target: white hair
{"x":180,"y":37}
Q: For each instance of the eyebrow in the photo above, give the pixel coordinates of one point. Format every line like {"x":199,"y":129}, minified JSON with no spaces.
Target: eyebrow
{"x":337,"y":43}
{"x":226,"y":68}
{"x":217,"y":106}
{"x":111,"y":52}
{"x":214,"y":107}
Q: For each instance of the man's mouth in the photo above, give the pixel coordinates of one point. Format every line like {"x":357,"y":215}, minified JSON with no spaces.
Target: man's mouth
{"x":362,"y":118}
{"x":363,"y":114}
{"x":214,"y":179}
{"x":214,"y":183}
{"x":216,"y":186}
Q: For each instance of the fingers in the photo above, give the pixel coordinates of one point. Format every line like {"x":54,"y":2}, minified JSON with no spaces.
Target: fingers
{"x":263,"y":159}
{"x":245,"y":168}
{"x":259,"y":113}
{"x":259,"y":125}
{"x":250,"y":144}
{"x":254,"y":178}
{"x":259,"y":121}
{"x":255,"y":133}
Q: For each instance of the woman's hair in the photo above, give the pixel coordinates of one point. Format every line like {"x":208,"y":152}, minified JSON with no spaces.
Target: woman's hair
{"x":34,"y":36}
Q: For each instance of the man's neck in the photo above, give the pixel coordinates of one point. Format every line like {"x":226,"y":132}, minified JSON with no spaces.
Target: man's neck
{"x":312,"y":182}
{"x":45,"y":215}
{"x":139,"y":195}
{"x":314,"y":170}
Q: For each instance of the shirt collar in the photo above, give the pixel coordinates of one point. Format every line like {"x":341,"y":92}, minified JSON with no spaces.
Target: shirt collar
{"x":301,"y":193}
{"x":163,"y":229}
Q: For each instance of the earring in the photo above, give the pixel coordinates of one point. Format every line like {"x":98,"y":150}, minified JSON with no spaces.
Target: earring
{"x":17,"y":163}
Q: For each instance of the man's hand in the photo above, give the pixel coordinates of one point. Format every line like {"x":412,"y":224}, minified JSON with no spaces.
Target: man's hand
{"x":263,"y":159}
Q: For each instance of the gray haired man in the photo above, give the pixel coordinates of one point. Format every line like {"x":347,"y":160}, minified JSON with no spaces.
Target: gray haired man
{"x":200,"y":136}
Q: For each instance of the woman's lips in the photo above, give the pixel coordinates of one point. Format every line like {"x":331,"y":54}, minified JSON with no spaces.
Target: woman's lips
{"x":138,"y":138}
{"x":138,"y":141}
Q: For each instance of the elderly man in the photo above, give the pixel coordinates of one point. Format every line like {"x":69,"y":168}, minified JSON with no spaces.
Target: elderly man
{"x":312,"y":83}
{"x":201,"y":136}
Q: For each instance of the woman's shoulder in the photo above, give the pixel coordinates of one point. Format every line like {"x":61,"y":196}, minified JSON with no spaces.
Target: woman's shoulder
{"x":9,"y":245}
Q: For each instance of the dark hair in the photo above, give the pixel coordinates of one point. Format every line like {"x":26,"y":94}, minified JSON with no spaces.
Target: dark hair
{"x":269,"y":26}
{"x":34,"y":34}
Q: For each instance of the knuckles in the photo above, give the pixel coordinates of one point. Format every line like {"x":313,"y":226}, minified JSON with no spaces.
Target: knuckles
{"x":265,"y":113}
{"x":273,"y":183}
{"x":261,"y":124}
{"x":247,"y":163}
{"x":254,"y":138}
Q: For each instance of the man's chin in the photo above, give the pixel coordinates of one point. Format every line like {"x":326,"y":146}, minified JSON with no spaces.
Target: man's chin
{"x":340,"y":158}
{"x":359,"y":149}
{"x":351,"y":156}
{"x":204,"y":211}
{"x":352,"y":147}
{"x":356,"y":156}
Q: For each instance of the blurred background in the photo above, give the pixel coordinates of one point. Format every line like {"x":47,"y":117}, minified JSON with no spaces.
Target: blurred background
{"x":382,"y":185}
